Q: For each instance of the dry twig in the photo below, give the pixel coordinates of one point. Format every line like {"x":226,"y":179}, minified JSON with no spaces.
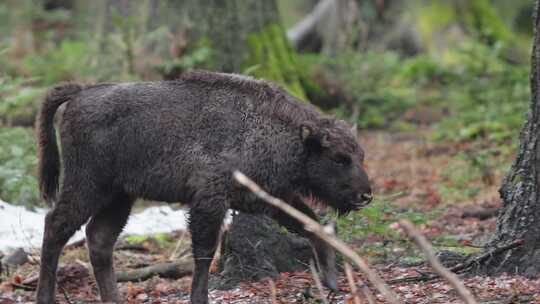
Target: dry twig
{"x":22,"y":287}
{"x":451,"y":277}
{"x":273,"y":291}
{"x":352,"y":284}
{"x":367,"y":293}
{"x":317,"y":280}
{"x":174,"y":254}
{"x":319,"y":230}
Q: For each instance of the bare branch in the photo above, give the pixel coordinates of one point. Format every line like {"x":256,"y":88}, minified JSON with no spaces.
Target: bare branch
{"x":319,"y":230}
{"x":273,"y":291}
{"x":317,"y":280}
{"x":350,"y":279}
{"x":308,"y":25}
{"x":367,"y":293}
{"x":451,"y":277}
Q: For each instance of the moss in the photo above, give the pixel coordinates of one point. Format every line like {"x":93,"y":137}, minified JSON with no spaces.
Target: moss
{"x":272,"y":58}
{"x":434,"y":18}
{"x":161,"y":240}
{"x":445,"y":24}
{"x":484,"y":19}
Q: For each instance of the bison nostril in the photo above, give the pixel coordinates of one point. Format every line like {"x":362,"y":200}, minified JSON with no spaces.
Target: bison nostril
{"x":367,"y":197}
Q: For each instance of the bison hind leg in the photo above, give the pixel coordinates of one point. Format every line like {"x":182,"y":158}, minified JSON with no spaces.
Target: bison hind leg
{"x":67,"y":216}
{"x":101,"y":234}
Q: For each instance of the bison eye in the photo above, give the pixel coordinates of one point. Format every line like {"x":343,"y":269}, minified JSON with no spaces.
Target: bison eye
{"x":342,"y":160}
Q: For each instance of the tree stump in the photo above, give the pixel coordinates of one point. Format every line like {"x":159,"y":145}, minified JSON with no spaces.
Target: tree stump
{"x":256,"y":247}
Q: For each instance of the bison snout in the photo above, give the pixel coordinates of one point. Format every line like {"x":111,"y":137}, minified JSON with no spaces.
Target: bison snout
{"x":365,"y":198}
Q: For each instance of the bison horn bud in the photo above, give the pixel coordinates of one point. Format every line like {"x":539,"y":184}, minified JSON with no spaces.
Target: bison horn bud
{"x":324,"y":141}
{"x":306,"y":132}
{"x":313,"y":136}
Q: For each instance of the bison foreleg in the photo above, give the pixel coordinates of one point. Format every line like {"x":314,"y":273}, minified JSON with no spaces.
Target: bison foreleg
{"x":326,"y":256}
{"x":206,"y":218}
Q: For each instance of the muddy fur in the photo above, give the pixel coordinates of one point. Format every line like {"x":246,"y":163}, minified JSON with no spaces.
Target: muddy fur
{"x":178,"y":141}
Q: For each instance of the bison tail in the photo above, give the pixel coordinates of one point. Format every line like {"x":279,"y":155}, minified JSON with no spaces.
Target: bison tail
{"x":48,"y":154}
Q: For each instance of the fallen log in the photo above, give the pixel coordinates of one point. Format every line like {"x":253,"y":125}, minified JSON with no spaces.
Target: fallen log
{"x":75,"y":244}
{"x":480,"y":213}
{"x":171,"y":270}
{"x":132,"y":247}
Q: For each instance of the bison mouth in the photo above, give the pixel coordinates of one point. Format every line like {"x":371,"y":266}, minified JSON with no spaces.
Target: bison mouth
{"x":345,"y":206}
{"x":362,"y":200}
{"x":354,"y":202}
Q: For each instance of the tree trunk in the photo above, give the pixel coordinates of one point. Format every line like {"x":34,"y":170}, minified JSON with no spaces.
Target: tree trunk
{"x":247,"y":36}
{"x":520,"y":213}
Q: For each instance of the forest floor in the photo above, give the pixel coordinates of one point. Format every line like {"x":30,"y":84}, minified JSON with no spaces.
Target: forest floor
{"x":449,"y":190}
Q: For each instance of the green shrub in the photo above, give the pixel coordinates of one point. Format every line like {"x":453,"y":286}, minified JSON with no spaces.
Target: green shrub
{"x":488,"y":97}
{"x":424,"y":70}
{"x":18,"y":184}
{"x":484,"y":95}
{"x":196,"y":59}
{"x":377,"y":223}
{"x":19,"y":105}
{"x":372,"y":81}
{"x":67,"y":62}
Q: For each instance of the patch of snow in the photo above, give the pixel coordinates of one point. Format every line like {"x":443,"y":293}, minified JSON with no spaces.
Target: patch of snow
{"x":20,"y":227}
{"x":156,"y":220}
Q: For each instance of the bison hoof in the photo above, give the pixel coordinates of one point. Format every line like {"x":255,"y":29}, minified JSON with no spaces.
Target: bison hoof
{"x":330,"y":281}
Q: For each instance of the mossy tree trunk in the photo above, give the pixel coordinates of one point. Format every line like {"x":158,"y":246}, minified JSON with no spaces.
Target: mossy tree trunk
{"x":520,"y":192}
{"x":247,"y":36}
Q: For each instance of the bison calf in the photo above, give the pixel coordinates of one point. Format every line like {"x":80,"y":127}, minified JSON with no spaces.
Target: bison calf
{"x":179,"y":141}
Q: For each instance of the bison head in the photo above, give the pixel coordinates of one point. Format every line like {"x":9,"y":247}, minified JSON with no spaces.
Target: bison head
{"x":334,"y":165}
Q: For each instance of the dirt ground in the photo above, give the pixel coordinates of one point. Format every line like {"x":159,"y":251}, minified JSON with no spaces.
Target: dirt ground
{"x":408,"y":169}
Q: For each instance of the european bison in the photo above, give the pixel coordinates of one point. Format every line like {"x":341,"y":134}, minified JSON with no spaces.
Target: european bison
{"x":179,"y":141}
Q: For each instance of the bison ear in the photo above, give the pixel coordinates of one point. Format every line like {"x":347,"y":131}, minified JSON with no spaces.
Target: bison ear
{"x":314,"y":138}
{"x":354,"y":130}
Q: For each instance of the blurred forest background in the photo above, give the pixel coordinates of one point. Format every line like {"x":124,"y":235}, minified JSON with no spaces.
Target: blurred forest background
{"x":438,"y":88}
{"x":459,"y":67}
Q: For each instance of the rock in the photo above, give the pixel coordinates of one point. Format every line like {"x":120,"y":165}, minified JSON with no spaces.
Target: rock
{"x":16,"y":258}
{"x":450,"y":258}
